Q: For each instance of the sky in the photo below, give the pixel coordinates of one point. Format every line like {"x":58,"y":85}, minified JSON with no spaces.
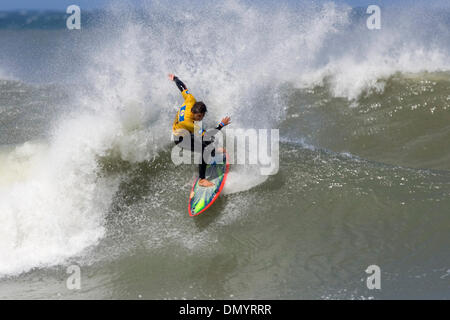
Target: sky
{"x":92,"y":4}
{"x":50,"y":4}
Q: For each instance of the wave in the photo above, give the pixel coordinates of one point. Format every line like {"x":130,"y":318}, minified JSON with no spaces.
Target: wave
{"x":55,"y":208}
{"x":237,"y":57}
{"x":406,"y":124}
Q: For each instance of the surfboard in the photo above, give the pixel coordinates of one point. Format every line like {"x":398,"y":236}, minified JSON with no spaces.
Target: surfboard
{"x":201,"y":198}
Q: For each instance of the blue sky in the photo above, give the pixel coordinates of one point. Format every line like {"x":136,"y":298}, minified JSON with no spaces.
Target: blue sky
{"x":90,"y":4}
{"x":49,"y":4}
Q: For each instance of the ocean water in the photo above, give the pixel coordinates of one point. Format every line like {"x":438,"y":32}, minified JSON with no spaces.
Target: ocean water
{"x":86,"y":176}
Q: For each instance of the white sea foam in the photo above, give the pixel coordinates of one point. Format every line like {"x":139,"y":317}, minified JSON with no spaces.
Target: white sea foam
{"x":231,"y":55}
{"x":53,"y":207}
{"x":243,"y":178}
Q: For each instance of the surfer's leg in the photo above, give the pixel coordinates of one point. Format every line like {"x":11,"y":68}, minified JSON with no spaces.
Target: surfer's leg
{"x":202,"y":174}
{"x":202,"y":170}
{"x":186,"y":142}
{"x":202,"y":166}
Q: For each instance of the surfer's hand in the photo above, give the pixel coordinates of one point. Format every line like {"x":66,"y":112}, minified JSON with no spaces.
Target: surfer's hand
{"x":226,"y":121}
{"x":171,"y":76}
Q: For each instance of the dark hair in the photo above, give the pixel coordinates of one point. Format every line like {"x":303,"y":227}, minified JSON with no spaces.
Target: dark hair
{"x":199,"y":107}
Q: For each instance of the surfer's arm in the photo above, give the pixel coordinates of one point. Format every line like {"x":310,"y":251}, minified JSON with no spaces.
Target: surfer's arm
{"x":225,"y":121}
{"x":178,"y":82}
{"x":187,"y":96}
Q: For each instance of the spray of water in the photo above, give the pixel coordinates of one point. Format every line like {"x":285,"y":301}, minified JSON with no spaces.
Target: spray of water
{"x":234,"y":56}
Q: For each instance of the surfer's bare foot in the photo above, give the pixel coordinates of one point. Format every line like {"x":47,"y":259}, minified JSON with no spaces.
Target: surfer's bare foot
{"x":220,"y":150}
{"x":205,"y":183}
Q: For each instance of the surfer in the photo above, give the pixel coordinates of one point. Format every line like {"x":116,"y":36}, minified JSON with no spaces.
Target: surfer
{"x":184,"y":127}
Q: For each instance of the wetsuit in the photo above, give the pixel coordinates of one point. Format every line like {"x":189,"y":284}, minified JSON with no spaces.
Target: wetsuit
{"x":184,"y":122}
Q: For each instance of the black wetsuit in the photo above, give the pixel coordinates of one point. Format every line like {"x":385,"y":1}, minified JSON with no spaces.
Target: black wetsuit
{"x":201,"y":140}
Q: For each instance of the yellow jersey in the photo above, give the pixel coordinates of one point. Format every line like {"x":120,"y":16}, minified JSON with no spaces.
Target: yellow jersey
{"x":184,"y":119}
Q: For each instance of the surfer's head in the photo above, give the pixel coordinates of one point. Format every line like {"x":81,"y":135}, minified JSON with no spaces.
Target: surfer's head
{"x":199,"y":110}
